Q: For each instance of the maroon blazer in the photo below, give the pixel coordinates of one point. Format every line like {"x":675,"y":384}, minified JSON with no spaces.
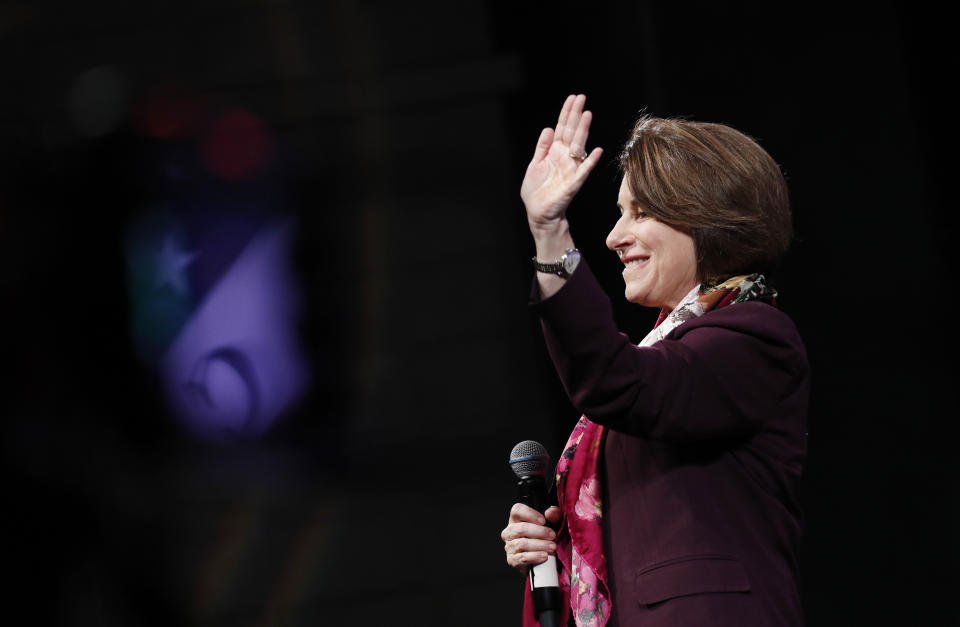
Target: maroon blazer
{"x":702,"y":460}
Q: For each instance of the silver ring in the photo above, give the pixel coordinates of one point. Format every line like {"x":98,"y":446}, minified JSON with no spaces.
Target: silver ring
{"x":578,"y":157}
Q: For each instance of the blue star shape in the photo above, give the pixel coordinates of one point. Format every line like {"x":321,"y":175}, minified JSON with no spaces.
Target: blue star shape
{"x":171,"y":265}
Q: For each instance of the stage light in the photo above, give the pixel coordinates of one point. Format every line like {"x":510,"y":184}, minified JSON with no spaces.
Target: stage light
{"x":167,"y":112}
{"x":237,"y":145}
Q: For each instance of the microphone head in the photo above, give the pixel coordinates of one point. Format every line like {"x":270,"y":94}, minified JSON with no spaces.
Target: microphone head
{"x":529,"y":459}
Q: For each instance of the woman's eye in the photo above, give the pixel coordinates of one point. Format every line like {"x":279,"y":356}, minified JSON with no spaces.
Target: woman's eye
{"x":641,"y":215}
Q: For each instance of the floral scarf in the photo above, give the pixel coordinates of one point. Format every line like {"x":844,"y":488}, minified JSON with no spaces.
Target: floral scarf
{"x":580,"y":541}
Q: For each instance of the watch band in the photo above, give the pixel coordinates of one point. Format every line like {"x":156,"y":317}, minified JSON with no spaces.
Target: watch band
{"x":563,"y":267}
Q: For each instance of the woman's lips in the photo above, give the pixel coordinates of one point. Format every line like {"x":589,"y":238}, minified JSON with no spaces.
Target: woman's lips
{"x":635,"y":263}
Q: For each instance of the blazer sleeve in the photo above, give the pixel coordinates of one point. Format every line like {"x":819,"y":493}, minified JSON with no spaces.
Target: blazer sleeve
{"x":719,"y":376}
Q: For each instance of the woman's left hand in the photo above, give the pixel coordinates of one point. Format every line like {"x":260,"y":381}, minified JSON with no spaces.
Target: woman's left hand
{"x":527,"y":540}
{"x":559,"y":167}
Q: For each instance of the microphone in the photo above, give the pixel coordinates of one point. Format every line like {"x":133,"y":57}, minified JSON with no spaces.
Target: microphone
{"x":529,"y":461}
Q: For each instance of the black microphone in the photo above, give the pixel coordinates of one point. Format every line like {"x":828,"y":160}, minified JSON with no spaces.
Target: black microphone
{"x":530,"y":461}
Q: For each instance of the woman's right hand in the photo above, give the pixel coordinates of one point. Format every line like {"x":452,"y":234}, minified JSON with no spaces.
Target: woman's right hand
{"x":559,"y":167}
{"x":527,"y":539}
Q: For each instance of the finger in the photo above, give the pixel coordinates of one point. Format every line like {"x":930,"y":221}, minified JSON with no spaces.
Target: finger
{"x":527,"y":530}
{"x":578,"y":144}
{"x":529,"y":545}
{"x":587,"y":165}
{"x":522,"y":560}
{"x":573,"y":119}
{"x":543,"y":144}
{"x":553,"y":514}
{"x":524,"y":513}
{"x":564,"y":114}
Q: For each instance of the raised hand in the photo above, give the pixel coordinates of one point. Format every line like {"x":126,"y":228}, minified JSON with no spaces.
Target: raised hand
{"x":559,"y":167}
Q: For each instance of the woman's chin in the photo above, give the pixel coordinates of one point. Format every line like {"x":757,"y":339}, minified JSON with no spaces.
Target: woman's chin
{"x":637,"y":297}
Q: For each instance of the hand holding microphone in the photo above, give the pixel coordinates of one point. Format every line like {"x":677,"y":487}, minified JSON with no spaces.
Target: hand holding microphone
{"x":528,"y":542}
{"x":527,"y":539}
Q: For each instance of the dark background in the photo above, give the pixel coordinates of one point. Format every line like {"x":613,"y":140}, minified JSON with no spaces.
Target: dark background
{"x":403,"y":130}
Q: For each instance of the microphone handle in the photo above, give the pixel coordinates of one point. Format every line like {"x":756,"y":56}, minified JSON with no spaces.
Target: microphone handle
{"x":532,"y":491}
{"x":550,"y":618}
{"x":547,"y":597}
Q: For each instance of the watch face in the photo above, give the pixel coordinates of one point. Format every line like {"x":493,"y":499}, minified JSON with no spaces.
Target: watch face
{"x":570,"y":261}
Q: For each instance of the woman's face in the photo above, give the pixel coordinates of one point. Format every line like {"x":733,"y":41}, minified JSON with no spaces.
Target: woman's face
{"x":660,"y":261}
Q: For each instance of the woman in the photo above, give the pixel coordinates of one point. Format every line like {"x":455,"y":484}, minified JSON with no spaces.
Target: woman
{"x":678,"y":488}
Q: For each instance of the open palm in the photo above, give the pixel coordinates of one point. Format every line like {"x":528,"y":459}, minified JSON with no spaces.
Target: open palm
{"x":559,"y":166}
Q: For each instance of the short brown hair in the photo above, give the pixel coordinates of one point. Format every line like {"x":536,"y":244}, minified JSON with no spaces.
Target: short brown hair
{"x":715,"y":183}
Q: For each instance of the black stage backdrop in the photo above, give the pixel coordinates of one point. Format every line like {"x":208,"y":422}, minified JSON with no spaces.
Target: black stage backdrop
{"x":390,"y":139}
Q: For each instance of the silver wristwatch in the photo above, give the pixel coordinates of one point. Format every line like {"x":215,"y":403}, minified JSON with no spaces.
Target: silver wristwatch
{"x":563,"y":267}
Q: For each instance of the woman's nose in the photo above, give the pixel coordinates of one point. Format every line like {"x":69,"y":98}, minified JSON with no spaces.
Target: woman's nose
{"x":619,"y":236}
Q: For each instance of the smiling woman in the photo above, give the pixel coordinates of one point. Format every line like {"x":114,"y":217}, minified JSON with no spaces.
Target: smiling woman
{"x":716,"y":184}
{"x":709,"y":200}
{"x":677,"y":491}
{"x":660,"y":261}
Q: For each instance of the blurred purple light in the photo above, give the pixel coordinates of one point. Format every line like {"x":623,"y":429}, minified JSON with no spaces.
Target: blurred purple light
{"x":235,"y":365}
